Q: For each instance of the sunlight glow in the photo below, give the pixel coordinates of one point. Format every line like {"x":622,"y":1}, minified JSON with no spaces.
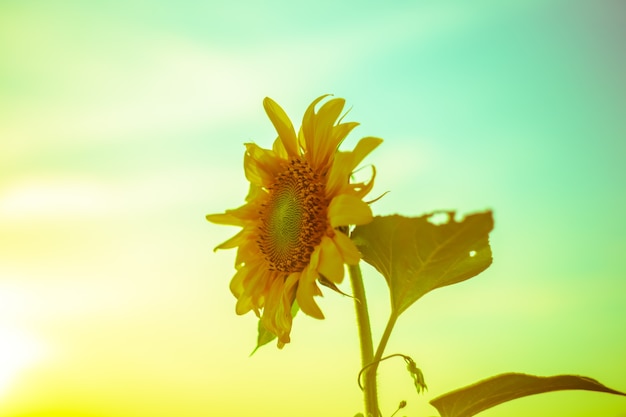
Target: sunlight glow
{"x":50,"y":199}
{"x":18,"y":351}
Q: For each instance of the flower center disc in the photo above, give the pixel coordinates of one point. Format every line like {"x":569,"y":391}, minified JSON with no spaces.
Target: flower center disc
{"x":293,"y":219}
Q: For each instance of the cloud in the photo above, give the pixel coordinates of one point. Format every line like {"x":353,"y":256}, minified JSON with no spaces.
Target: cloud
{"x":86,"y":82}
{"x":45,"y":198}
{"x":75,"y":198}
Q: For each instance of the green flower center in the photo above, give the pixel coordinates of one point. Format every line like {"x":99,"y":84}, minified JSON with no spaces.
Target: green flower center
{"x":293,"y":219}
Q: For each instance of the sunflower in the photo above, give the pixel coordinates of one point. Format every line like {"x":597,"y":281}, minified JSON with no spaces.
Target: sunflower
{"x":297,"y":212}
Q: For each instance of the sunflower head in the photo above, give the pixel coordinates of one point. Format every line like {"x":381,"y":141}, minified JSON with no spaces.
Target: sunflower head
{"x":296,"y":214}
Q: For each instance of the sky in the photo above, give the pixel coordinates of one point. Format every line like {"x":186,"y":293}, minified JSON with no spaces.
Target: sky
{"x":122,"y":124}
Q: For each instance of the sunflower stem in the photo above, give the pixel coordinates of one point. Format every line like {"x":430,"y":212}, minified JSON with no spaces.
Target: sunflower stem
{"x":365,"y":338}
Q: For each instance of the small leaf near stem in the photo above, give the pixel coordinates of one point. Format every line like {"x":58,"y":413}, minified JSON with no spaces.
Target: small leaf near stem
{"x":416,"y":374}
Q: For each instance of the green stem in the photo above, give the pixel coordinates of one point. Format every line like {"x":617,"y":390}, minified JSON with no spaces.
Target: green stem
{"x":365,"y":338}
{"x":384,"y":339}
{"x":370,"y":366}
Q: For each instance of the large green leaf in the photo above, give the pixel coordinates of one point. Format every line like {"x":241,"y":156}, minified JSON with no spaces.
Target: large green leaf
{"x":416,"y":256}
{"x":473,"y":399}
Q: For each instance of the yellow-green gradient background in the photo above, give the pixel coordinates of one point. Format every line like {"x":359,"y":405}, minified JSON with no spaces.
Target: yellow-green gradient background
{"x":121,"y":126}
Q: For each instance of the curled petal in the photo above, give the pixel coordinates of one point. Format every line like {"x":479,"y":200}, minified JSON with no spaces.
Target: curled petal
{"x":345,"y":163}
{"x":277,"y":313}
{"x":362,"y":189}
{"x":282,"y":316}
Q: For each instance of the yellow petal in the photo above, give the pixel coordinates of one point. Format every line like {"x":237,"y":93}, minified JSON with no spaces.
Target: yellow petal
{"x":254,"y":173}
{"x":309,"y":124}
{"x":307,"y":304}
{"x":240,"y":238}
{"x":283,"y":125}
{"x":254,"y":192}
{"x":257,"y":283}
{"x":322,"y":145}
{"x":282,"y":316}
{"x":246,"y":278}
{"x":225,"y":218}
{"x":361,"y":189}
{"x":301,"y":141}
{"x":248,"y":252}
{"x":329,"y":113}
{"x":277,"y":312}
{"x":240,"y":288}
{"x":243,"y":305}
{"x":291,"y":281}
{"x":342,"y":130}
{"x":344,"y":164}
{"x":272,"y":302}
{"x":261,"y":165}
{"x":339,"y":174}
{"x":347,"y":209}
{"x":236,"y":284}
{"x":236,"y":217}
{"x":309,"y":274}
{"x":363,"y":148}
{"x":331,"y":261}
{"x":348,"y":249}
{"x":307,"y":288}
{"x":279,"y":148}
